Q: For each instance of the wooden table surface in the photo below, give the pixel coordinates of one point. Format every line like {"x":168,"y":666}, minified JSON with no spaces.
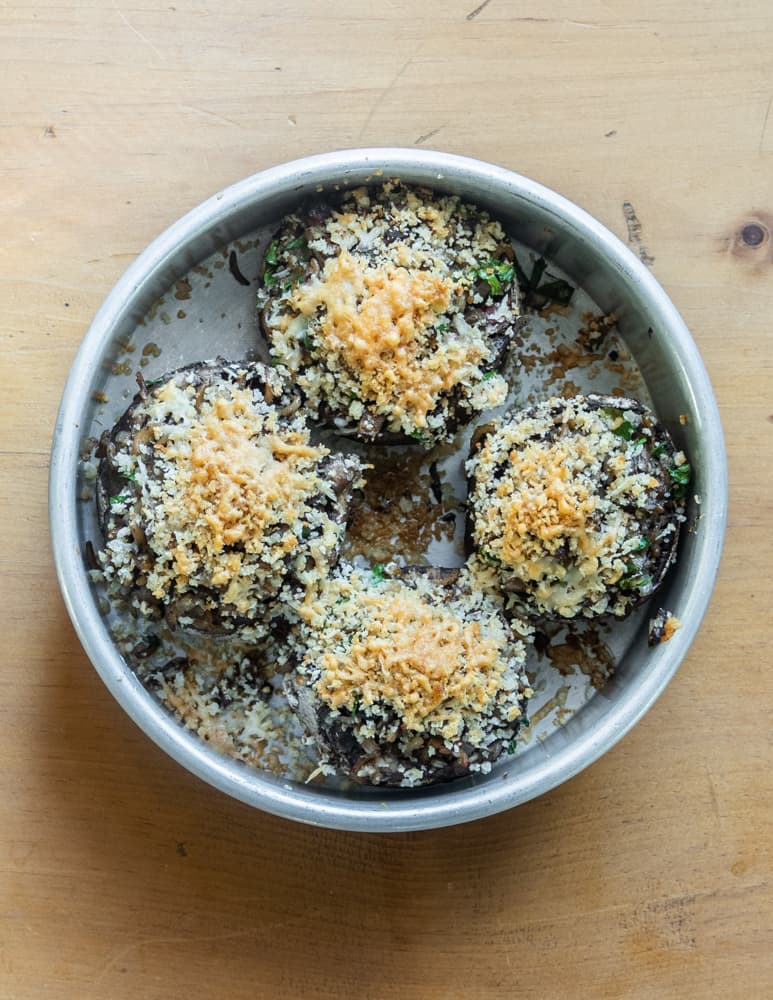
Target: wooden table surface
{"x":121,"y":875}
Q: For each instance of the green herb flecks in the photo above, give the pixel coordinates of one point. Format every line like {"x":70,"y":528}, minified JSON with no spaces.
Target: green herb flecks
{"x":120,"y":498}
{"x":680,"y":477}
{"x":634,"y":579}
{"x":299,"y":243}
{"x":498,"y":275}
{"x":287,"y":286}
{"x":624,"y":430}
{"x":377,"y":573}
{"x":270,"y":261}
{"x":487,"y":376}
{"x":523,"y":723}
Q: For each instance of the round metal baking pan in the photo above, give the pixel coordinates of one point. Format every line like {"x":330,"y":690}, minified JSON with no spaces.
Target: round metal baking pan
{"x":653,"y":332}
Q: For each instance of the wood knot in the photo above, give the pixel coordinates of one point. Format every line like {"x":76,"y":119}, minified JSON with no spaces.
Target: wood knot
{"x":753,"y":234}
{"x":750,"y":240}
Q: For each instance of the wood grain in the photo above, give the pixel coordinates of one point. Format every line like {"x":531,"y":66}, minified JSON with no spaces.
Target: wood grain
{"x":650,"y":874}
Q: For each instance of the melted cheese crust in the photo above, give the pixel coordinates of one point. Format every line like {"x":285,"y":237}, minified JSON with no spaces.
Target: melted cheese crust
{"x":560,"y":511}
{"x":422,"y":656}
{"x":227,"y":498}
{"x":377,"y":321}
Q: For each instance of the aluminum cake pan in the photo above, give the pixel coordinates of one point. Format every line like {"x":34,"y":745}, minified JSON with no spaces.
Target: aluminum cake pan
{"x":677,"y":383}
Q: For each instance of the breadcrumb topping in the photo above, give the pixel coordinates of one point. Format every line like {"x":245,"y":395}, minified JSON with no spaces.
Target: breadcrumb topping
{"x":406,"y":661}
{"x":392,"y":305}
{"x":231,"y":480}
{"x":421,"y":659}
{"x":563,"y":501}
{"x":226,"y":500}
{"x":376,"y":320}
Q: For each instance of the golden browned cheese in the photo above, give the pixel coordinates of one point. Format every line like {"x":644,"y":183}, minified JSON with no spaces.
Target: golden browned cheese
{"x":229,"y":483}
{"x":375,"y":318}
{"x":546,"y":505}
{"x":419,"y":658}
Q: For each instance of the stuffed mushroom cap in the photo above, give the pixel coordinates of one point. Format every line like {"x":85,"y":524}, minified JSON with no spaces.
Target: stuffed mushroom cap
{"x":393,"y":310}
{"x":575,"y":505}
{"x":407,"y":682}
{"x":214,"y":504}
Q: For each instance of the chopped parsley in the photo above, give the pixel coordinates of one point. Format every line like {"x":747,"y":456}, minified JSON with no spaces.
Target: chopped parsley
{"x":270,"y":260}
{"x":377,"y":573}
{"x":288,"y":286}
{"x":680,"y":477}
{"x":624,"y":430}
{"x":498,"y":275}
{"x":634,"y":579}
{"x":524,"y":723}
{"x":299,"y":243}
{"x":120,"y":498}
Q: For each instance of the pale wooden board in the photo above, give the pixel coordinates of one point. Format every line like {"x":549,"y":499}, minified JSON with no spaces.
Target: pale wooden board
{"x":651,"y":874}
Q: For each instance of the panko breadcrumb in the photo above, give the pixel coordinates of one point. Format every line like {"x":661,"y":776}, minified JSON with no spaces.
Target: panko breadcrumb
{"x":407,"y":682}
{"x":576,"y":505}
{"x":392,"y":310}
{"x":214,"y":503}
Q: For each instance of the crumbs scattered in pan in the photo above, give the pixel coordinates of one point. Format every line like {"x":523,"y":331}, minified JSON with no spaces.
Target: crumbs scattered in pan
{"x":405,"y":507}
{"x":225,"y":691}
{"x":230,"y":693}
{"x":553,"y":351}
{"x":579,"y":649}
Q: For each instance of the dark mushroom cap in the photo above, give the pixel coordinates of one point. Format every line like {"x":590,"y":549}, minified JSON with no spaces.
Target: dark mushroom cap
{"x":215,"y":540}
{"x":407,"y":681}
{"x":575,"y":505}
